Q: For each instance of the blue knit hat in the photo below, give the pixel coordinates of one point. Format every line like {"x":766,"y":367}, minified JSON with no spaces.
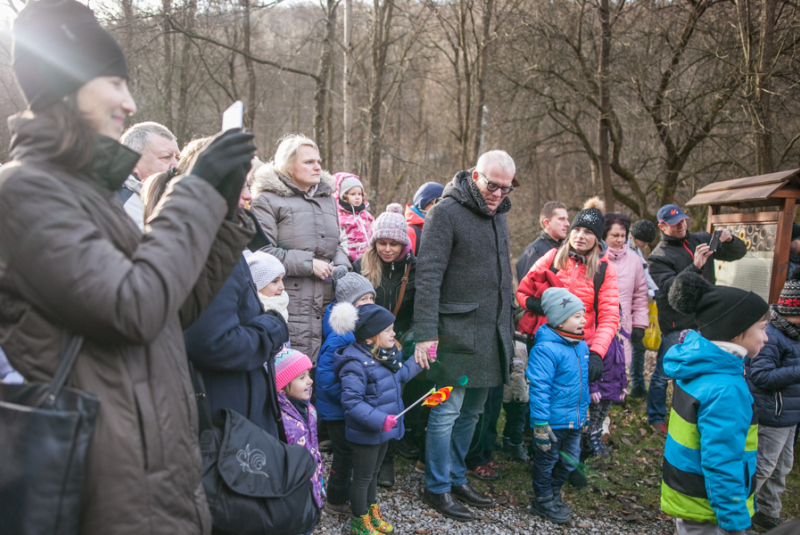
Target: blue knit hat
{"x":426,"y":193}
{"x":558,"y":305}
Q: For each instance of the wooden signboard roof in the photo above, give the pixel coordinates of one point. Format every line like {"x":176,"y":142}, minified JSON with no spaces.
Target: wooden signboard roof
{"x":781,"y":185}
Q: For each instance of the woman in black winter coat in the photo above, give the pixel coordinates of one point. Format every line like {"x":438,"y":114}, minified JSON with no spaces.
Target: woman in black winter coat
{"x":386,"y":263}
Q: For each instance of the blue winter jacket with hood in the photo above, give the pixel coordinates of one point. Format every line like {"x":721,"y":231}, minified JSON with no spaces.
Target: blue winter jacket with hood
{"x":370,"y":393}
{"x":558,"y":372}
{"x":329,"y":389}
{"x":774,"y":378}
{"x":710,"y":453}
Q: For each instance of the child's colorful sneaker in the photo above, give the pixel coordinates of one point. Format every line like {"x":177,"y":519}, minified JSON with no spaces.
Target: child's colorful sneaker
{"x":378,"y":523}
{"x":362,"y":525}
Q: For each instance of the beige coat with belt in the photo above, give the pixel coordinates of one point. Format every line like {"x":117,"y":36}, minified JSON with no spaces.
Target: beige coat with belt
{"x":71,"y":258}
{"x":303,"y":227}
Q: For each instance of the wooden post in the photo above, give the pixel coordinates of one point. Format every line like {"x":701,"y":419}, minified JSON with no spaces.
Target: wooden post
{"x":783,"y":240}
{"x":712,"y":211}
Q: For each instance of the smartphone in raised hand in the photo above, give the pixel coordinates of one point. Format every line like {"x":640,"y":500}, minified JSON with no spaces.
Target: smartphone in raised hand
{"x":713,"y":245}
{"x":233,"y":117}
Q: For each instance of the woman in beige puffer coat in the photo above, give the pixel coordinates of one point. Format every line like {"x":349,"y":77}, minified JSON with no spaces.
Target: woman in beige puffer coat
{"x":293,"y":201}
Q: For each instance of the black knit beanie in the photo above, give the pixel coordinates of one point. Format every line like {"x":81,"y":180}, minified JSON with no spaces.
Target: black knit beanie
{"x":643,"y":230}
{"x":722,"y":313}
{"x":372,"y":320}
{"x":591,"y":219}
{"x":58,"y":47}
{"x":789,"y":300}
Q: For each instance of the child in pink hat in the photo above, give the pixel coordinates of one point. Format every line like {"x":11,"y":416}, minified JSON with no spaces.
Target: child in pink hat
{"x":299,"y":416}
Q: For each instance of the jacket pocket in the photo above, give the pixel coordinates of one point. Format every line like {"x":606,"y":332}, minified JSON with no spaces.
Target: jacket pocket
{"x":148,"y":428}
{"x":457,"y":325}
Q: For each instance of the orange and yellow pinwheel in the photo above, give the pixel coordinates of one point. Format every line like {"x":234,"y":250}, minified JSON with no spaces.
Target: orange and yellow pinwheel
{"x":437,"y":397}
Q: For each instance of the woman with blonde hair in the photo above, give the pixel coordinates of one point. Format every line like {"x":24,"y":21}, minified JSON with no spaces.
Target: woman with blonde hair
{"x":581,"y":267}
{"x":293,"y":201}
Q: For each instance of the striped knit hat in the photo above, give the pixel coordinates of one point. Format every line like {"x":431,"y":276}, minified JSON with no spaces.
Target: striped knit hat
{"x":789,"y":300}
{"x":288,"y":365}
{"x":391,"y":225}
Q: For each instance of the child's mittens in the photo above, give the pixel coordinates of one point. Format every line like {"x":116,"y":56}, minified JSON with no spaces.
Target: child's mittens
{"x":389,"y":423}
{"x":432,"y":352}
{"x":543,"y":437}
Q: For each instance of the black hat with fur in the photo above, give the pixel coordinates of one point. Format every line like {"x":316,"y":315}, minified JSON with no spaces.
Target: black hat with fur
{"x":591,"y":218}
{"x":722,"y":313}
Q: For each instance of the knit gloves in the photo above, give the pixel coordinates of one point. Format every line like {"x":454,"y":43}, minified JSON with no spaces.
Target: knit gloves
{"x":543,"y":437}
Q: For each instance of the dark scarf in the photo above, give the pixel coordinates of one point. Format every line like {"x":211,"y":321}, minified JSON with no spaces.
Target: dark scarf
{"x":390,"y":358}
{"x":578,"y":257}
{"x":301,"y":405}
{"x":779,"y":322}
{"x":353,"y":209}
{"x":477,"y":196}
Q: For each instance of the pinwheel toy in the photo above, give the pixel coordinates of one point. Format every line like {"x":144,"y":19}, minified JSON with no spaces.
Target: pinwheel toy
{"x":431,"y":398}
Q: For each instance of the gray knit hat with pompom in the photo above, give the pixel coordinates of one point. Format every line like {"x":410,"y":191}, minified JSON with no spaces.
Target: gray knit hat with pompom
{"x":350,"y":287}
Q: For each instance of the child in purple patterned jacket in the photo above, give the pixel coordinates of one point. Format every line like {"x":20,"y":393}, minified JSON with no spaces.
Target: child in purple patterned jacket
{"x":298,"y":414}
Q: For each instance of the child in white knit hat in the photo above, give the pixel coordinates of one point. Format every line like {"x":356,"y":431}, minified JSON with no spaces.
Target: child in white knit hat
{"x":268,"y":272}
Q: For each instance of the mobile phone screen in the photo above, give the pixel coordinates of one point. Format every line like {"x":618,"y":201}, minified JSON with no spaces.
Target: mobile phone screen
{"x":232,"y":117}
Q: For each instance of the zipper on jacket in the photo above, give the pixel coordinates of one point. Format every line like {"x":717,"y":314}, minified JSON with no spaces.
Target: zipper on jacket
{"x":580,"y":397}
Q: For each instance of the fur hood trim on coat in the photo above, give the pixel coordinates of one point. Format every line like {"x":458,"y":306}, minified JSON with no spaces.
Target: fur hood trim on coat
{"x":268,"y":179}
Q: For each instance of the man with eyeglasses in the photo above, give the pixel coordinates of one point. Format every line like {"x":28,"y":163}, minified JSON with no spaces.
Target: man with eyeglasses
{"x":463,"y":312}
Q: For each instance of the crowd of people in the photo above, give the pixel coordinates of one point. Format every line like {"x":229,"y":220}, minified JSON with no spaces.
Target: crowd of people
{"x":274,"y":287}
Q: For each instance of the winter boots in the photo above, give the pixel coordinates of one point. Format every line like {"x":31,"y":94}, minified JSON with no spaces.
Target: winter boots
{"x":362,"y":525}
{"x":378,"y":523}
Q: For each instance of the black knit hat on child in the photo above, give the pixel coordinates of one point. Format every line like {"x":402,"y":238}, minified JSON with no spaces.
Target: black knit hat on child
{"x":721,"y":313}
{"x":789,"y":300}
{"x":364,"y":322}
{"x":58,"y":47}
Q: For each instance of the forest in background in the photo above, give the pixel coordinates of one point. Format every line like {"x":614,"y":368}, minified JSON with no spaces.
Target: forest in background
{"x":641,"y":102}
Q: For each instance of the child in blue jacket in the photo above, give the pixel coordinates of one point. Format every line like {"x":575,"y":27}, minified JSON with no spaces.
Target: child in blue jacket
{"x":558,"y":371}
{"x":709,"y":473}
{"x":352,"y":289}
{"x":372,"y":374}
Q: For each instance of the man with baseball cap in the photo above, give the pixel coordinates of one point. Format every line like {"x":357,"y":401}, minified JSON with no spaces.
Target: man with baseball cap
{"x":679,"y":251}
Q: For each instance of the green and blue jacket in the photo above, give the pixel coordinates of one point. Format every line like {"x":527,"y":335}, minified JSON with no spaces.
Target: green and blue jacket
{"x":710,"y":453}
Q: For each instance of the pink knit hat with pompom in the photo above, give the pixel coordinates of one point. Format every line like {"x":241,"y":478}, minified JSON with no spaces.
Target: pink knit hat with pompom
{"x":391,"y":225}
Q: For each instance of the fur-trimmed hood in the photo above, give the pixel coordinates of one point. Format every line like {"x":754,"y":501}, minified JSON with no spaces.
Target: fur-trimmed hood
{"x":268,"y":179}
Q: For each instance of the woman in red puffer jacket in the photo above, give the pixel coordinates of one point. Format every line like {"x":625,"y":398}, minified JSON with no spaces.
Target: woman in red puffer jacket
{"x":575,"y":266}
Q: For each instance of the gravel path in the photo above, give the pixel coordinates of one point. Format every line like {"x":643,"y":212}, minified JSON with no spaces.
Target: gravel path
{"x":403,"y":507}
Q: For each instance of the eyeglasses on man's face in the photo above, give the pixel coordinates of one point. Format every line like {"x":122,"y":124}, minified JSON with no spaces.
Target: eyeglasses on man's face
{"x":493,"y":186}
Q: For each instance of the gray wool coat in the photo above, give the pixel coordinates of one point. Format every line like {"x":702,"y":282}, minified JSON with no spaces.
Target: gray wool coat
{"x":464,"y":288}
{"x":303,"y":227}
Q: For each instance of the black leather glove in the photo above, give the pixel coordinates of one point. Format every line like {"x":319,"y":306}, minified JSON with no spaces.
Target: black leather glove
{"x":595,"y":367}
{"x":228,"y":152}
{"x":637,"y":335}
{"x":224,"y":164}
{"x":534,"y":304}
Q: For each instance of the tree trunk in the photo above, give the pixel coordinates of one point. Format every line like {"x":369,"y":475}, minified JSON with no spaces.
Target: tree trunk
{"x":166,"y":7}
{"x":382,"y":20}
{"x":347,"y":117}
{"x":324,"y":76}
{"x":247,"y":30}
{"x":184,"y":78}
{"x":480,"y":80}
{"x":605,"y":104}
{"x":762,"y":89}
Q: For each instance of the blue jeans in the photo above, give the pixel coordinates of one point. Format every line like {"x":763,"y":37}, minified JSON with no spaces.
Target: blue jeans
{"x":485,"y":435}
{"x":450,"y":429}
{"x":551,"y":468}
{"x":657,"y":395}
